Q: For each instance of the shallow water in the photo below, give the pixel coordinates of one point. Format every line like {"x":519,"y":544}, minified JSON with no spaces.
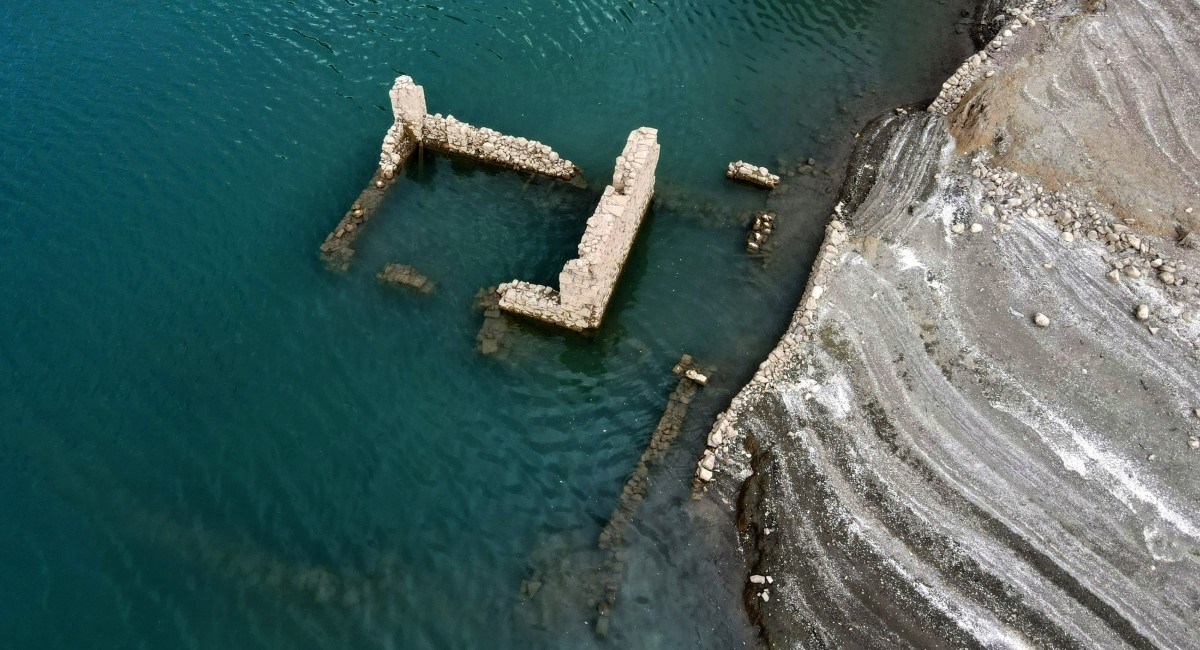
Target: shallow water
{"x":209,"y":440}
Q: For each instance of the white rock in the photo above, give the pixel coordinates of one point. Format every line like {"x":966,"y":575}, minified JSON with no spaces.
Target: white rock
{"x":957,"y":229}
{"x":1143,"y":312}
{"x":975,"y":227}
{"x":758,"y":580}
{"x":1041,"y":320}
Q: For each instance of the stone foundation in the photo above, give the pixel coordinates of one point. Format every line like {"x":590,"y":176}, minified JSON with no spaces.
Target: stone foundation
{"x":586,"y":283}
{"x":405,"y":276}
{"x":747,"y":173}
{"x":761,"y":231}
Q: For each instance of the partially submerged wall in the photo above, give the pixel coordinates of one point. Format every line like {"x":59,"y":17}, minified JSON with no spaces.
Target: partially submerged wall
{"x":586,"y":283}
{"x":452,"y":136}
{"x":412,"y":127}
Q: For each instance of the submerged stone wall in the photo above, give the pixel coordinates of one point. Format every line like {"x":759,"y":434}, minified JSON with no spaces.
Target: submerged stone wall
{"x":586,"y":283}
{"x":452,"y":136}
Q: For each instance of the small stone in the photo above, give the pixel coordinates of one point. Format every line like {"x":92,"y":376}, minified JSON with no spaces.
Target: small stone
{"x":1167,"y":277}
{"x":975,"y":227}
{"x":1143,"y":312}
{"x":758,"y":580}
{"x":1151,"y":456}
{"x":1196,"y":412}
{"x":1067,"y":236}
{"x":1153,"y":330}
{"x":1194,"y":443}
{"x":1114,"y":276}
{"x":957,"y":228}
{"x":1041,"y":320}
{"x":766,"y":596}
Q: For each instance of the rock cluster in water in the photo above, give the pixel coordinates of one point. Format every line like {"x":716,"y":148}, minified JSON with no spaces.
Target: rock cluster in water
{"x":405,"y":276}
{"x":760,"y":231}
{"x":744,"y":171}
{"x":586,"y":283}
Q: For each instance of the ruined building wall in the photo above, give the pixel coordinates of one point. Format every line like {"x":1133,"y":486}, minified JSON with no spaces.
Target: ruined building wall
{"x":586,"y":283}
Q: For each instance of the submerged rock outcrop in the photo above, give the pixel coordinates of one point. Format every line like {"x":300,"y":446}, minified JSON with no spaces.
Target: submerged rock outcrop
{"x":973,"y":433}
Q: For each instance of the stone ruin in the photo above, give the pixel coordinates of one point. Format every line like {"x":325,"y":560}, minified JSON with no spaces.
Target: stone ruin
{"x":586,"y":283}
{"x":412,"y":128}
{"x":753,"y":174}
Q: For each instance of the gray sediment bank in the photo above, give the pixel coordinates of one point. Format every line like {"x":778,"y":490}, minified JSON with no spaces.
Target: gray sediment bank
{"x":974,"y":433}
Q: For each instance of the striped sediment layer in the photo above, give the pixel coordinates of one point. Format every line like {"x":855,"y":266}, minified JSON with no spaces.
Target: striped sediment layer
{"x":974,"y":433}
{"x":586,"y":284}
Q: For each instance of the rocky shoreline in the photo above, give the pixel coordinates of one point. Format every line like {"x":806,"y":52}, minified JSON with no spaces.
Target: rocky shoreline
{"x":979,"y":428}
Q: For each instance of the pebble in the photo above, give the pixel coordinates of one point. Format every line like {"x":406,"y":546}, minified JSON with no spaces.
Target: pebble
{"x":975,"y":227}
{"x":758,"y":580}
{"x":1041,"y":320}
{"x":1143,"y":312}
{"x":1067,"y":236}
{"x":1114,"y":276}
{"x":1167,"y":277}
{"x":957,"y":228}
{"x":766,"y":596}
{"x":1196,"y":412}
{"x":1151,"y":456}
{"x":1194,"y":443}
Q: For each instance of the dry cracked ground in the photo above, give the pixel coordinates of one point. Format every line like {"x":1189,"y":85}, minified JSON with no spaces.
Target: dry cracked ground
{"x":940,"y":467}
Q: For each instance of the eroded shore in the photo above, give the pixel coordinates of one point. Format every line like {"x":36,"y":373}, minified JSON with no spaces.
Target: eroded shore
{"x":980,"y":427}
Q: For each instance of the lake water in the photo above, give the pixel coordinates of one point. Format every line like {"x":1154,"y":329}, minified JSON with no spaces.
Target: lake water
{"x":211,"y":441}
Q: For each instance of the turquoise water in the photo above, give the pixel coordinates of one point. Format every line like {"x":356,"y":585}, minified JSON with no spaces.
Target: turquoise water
{"x":211,"y":441}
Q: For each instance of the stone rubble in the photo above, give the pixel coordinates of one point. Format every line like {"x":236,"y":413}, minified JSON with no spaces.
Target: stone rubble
{"x":980,"y":65}
{"x":760,"y":233}
{"x":405,"y":276}
{"x":753,"y":174}
{"x":586,"y":283}
{"x":1010,"y":196}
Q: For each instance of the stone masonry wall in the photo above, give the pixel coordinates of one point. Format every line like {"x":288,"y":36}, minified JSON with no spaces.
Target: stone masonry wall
{"x":452,"y":136}
{"x":586,"y":283}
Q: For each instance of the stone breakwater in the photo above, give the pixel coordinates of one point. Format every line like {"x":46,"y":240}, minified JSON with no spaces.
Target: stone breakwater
{"x":612,"y":537}
{"x":720,"y":445}
{"x":753,"y":174}
{"x":586,"y":284}
{"x":412,"y":128}
{"x":981,"y":65}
